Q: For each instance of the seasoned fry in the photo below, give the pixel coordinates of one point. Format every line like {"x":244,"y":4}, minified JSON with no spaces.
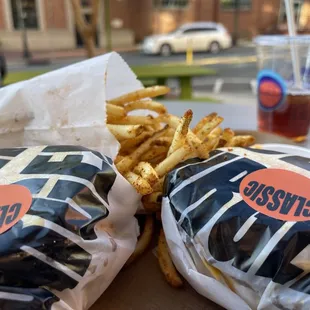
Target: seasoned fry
{"x":216,"y":132}
{"x":208,"y":127}
{"x":134,"y":142}
{"x":159,"y":185}
{"x":155,"y":197}
{"x":132,"y":120}
{"x":226,"y":137}
{"x":171,"y":120}
{"x":149,"y":128}
{"x":141,"y":185}
{"x":124,"y":164}
{"x":203,"y":121}
{"x":213,"y":139}
{"x":118,"y":159}
{"x":122,"y":132}
{"x":145,"y":105}
{"x":154,"y":152}
{"x":127,"y":162}
{"x":181,"y":132}
{"x":157,"y":160}
{"x":163,"y":141}
{"x":242,"y":141}
{"x":171,"y":161}
{"x":115,"y":111}
{"x":157,"y":126}
{"x":158,"y":216}
{"x":165,"y":262}
{"x":147,"y":172}
{"x":151,"y":207}
{"x":151,"y":92}
{"x":216,"y":274}
{"x":144,"y":239}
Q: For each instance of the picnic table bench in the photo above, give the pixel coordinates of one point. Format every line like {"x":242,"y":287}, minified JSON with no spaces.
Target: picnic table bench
{"x":159,"y":74}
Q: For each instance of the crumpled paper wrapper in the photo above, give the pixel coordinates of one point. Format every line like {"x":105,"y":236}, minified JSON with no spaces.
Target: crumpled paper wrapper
{"x":66,"y":106}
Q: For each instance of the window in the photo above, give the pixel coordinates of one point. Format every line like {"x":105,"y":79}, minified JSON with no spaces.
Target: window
{"x":297,"y":9}
{"x":168,"y":4}
{"x":86,"y":3}
{"x":194,"y":30}
{"x":233,"y":4}
{"x":24,"y":12}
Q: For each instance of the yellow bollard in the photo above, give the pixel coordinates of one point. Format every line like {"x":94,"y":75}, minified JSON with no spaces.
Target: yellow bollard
{"x":189,"y":53}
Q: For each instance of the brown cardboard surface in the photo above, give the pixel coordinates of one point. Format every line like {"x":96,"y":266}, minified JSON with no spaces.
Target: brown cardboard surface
{"x":141,"y":286}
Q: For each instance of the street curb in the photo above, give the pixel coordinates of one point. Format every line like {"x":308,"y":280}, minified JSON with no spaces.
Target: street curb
{"x":52,"y":55}
{"x":216,"y":61}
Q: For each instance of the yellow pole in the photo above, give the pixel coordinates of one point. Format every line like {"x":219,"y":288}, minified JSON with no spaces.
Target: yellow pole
{"x":189,"y":53}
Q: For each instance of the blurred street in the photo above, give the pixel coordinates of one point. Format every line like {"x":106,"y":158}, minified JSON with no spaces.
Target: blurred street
{"x":235,"y":67}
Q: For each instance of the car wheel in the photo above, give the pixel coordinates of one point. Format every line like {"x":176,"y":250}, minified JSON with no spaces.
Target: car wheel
{"x":214,"y":47}
{"x":165,"y":50}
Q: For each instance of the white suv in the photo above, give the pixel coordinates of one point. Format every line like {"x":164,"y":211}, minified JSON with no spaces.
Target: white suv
{"x":202,"y":36}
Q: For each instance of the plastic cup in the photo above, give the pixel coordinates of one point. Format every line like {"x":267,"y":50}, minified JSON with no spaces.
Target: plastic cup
{"x":283,"y":104}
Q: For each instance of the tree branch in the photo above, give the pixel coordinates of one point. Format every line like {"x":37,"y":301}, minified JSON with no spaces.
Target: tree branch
{"x":78,"y":16}
{"x":95,"y":14}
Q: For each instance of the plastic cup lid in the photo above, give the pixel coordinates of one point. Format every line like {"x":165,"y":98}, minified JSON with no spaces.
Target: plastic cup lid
{"x":272,"y":40}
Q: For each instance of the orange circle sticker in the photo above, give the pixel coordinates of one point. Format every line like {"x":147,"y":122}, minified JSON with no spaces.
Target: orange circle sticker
{"x":15,"y":201}
{"x":278,"y":193}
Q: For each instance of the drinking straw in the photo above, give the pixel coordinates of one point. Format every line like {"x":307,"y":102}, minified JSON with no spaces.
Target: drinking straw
{"x":289,"y":6}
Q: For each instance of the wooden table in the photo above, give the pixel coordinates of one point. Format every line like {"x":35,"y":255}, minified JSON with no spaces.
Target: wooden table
{"x":184,"y":74}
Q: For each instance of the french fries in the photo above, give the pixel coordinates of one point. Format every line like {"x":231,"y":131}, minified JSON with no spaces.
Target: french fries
{"x":144,"y":239}
{"x":122,"y":132}
{"x":150,"y":147}
{"x":154,"y":152}
{"x":179,"y":138}
{"x":115,"y":111}
{"x":131,"y":120}
{"x":141,"y":185}
{"x":165,"y":262}
{"x":147,"y":172}
{"x":146,"y":105}
{"x":151,"y":92}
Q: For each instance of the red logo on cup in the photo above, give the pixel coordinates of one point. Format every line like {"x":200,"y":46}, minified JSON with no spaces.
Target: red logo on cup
{"x":271,"y":90}
{"x":278,"y":193}
{"x":15,"y":201}
{"x":269,"y":94}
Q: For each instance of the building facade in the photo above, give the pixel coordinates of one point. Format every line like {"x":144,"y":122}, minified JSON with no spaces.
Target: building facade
{"x":50,"y":23}
{"x":51,"y":26}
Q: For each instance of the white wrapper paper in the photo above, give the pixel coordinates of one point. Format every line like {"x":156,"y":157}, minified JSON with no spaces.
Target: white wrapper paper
{"x":67,"y":107}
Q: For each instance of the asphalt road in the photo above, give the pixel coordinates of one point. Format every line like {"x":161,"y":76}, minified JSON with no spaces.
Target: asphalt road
{"x":235,"y":76}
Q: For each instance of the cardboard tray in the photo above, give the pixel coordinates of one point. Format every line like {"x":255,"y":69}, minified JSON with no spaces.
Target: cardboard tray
{"x":141,"y":286}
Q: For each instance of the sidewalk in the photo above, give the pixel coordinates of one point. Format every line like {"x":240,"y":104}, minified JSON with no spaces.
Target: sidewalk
{"x":15,"y":57}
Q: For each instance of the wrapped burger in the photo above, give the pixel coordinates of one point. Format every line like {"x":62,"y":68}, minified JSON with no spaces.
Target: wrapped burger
{"x":65,"y":230}
{"x":237,"y":225}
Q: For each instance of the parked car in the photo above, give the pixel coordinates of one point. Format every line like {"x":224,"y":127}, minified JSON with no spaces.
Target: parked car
{"x":202,"y":36}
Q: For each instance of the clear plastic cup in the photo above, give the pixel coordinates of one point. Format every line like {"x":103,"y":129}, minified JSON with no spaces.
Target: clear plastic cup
{"x":283,"y":103}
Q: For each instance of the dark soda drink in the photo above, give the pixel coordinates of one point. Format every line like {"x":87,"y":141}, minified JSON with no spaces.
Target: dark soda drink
{"x":291,"y":119}
{"x":283,"y":85}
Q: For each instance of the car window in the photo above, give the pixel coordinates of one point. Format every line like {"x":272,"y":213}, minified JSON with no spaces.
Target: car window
{"x":195,"y":30}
